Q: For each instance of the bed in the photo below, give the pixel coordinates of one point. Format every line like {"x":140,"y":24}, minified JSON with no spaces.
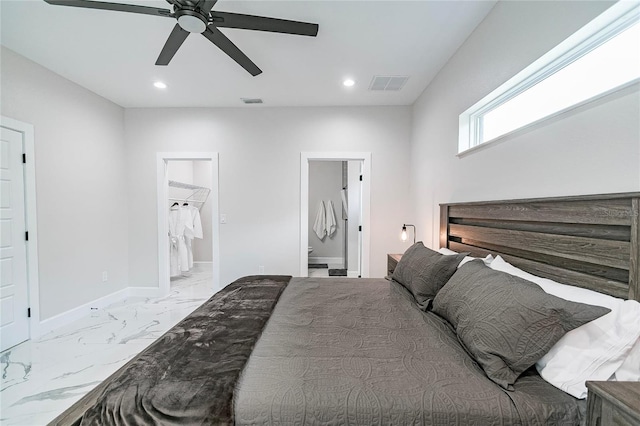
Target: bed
{"x":289,"y":351}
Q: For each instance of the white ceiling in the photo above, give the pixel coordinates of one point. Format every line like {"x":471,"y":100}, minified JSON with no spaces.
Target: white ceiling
{"x":113,"y":53}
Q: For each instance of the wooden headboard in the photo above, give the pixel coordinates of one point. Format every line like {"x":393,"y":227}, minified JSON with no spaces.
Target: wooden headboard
{"x":587,"y":241}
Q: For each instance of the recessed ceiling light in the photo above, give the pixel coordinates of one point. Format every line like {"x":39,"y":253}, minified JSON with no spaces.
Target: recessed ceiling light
{"x":160,"y":85}
{"x":348,"y":82}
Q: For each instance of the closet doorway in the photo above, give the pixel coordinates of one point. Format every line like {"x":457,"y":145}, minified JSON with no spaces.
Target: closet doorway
{"x":334,"y":214}
{"x":188,"y":230}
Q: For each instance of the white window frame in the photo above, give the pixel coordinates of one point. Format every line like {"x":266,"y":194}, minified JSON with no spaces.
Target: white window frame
{"x":612,"y":22}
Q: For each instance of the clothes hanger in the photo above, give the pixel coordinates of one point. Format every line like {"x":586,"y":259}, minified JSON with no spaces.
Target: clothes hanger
{"x":175,"y":204}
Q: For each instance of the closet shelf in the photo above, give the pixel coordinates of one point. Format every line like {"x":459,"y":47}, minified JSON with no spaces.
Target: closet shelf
{"x":183,"y":185}
{"x":197,"y":194}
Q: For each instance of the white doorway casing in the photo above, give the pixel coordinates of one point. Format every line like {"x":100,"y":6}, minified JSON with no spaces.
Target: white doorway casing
{"x":163,"y":219}
{"x":26,"y":133}
{"x":354,"y":197}
{"x":305,"y":157}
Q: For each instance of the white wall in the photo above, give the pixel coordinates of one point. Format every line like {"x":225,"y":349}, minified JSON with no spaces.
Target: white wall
{"x":180,"y":171}
{"x":203,"y":248}
{"x":325,"y":183}
{"x":594,"y":149}
{"x":80,"y":180}
{"x":260,"y":178}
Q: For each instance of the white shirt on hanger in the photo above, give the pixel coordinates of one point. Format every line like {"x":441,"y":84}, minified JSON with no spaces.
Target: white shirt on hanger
{"x":180,"y":226}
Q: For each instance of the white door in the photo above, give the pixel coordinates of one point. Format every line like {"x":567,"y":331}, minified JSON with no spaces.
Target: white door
{"x":14,"y":323}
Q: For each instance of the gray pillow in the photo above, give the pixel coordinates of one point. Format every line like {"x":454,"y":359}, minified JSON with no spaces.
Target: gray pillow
{"x":423,"y":272}
{"x":506,"y":323}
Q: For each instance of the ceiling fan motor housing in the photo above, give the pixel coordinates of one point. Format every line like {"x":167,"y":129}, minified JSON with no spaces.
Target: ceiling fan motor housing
{"x":192,"y":21}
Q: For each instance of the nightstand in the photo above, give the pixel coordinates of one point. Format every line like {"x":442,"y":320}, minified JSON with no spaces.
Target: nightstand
{"x":613,"y":403}
{"x":392,"y":262}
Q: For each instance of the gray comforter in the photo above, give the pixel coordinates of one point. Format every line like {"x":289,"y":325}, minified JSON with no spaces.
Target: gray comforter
{"x":360,"y":352}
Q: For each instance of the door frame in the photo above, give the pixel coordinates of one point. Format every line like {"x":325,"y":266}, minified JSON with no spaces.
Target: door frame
{"x":31,"y":219}
{"x":164,"y":281}
{"x":305,"y":157}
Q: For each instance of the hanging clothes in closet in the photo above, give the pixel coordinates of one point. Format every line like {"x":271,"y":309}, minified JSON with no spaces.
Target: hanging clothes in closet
{"x":184,"y":223}
{"x":180,"y":228}
{"x":196,"y":231}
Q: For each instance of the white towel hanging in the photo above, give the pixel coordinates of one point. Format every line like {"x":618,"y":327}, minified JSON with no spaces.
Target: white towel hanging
{"x":331,"y":223}
{"x":319,"y":226}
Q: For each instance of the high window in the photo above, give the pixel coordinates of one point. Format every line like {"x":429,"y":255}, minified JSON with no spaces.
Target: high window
{"x":602,"y":57}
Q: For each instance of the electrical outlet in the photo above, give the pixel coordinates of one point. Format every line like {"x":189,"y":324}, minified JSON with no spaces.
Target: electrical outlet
{"x":105,"y":277}
{"x":261,"y":269}
{"x":223,"y":218}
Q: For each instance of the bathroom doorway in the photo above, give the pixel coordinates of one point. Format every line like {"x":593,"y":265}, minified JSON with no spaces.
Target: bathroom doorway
{"x":335,"y":199}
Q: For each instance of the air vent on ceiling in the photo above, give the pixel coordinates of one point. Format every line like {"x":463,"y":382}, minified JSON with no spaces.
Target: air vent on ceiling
{"x":251,"y":100}
{"x":388,"y":82}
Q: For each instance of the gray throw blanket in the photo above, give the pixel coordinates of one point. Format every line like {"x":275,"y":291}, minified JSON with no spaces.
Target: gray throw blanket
{"x":188,"y":376}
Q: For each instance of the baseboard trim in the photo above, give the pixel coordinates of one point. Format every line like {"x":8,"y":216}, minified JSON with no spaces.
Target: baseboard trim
{"x":84,"y":310}
{"x":333,"y":260}
{"x":50,"y":324}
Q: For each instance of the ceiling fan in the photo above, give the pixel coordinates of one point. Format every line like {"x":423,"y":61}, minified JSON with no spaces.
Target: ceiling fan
{"x":196,"y":16}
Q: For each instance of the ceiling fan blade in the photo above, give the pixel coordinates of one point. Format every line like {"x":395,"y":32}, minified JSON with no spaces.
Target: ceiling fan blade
{"x":89,"y":4}
{"x":227,"y":46}
{"x":175,"y":40}
{"x":206,"y":5}
{"x":261,"y":23}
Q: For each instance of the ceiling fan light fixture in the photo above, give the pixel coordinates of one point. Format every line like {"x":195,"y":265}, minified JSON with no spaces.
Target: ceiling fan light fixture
{"x":192,"y":22}
{"x":159,"y":85}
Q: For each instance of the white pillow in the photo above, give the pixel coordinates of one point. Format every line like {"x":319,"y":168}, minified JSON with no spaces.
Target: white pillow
{"x":446,"y":251}
{"x":630,"y":368}
{"x":487,"y":260}
{"x":594,"y":351}
{"x":564,"y":291}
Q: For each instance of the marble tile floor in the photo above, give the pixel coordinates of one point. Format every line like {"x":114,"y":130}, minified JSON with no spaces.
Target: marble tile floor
{"x":40,"y":379}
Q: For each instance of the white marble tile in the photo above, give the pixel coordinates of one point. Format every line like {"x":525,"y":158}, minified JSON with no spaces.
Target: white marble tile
{"x":40,"y":379}
{"x":318,"y":272}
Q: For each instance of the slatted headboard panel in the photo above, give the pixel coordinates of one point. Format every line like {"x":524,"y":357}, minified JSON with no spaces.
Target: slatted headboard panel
{"x":587,"y":241}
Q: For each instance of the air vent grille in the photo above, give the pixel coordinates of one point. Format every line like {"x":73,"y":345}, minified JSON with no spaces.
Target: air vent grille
{"x":388,"y":82}
{"x":251,"y":100}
